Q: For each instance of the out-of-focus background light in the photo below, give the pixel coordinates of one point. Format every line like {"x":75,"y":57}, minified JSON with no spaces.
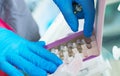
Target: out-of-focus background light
{"x":119,"y":7}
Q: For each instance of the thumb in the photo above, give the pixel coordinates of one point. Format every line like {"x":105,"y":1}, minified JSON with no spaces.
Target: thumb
{"x":66,"y":8}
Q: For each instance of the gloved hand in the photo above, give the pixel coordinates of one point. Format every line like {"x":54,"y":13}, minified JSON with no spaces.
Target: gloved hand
{"x":30,"y":57}
{"x":87,"y":12}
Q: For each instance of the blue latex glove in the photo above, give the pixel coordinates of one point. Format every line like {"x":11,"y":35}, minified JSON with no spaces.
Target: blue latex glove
{"x":87,"y":12}
{"x":30,"y":57}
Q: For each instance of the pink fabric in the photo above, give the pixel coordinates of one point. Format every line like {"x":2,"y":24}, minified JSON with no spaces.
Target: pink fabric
{"x":3,"y":74}
{"x":5,"y":25}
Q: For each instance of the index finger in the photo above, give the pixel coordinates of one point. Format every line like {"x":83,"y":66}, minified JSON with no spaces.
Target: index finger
{"x":46,"y":54}
{"x":89,"y":15}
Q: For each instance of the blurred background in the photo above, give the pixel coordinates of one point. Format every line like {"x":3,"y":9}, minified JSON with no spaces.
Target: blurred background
{"x":45,"y":12}
{"x":111,"y":37}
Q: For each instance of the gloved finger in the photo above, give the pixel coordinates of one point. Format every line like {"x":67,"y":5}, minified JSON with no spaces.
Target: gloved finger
{"x":40,"y":43}
{"x":89,"y":14}
{"x":9,"y":69}
{"x":67,"y":10}
{"x":25,"y":65}
{"x":39,"y":61}
{"x":44,"y":53}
